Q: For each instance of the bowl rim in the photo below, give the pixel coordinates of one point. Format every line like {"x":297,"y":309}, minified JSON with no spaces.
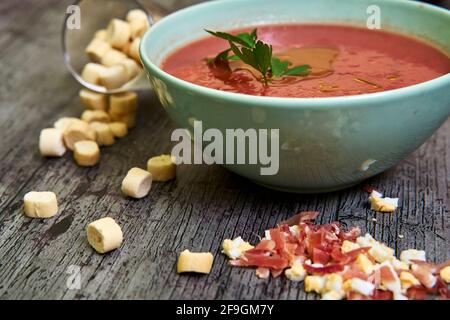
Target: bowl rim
{"x":290,"y":102}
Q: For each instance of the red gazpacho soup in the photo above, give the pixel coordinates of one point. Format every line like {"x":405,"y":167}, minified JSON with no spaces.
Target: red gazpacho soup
{"x":341,"y":61}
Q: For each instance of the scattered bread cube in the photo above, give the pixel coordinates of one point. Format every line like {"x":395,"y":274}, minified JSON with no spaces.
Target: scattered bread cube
{"x":136,"y":14}
{"x":119,"y":129}
{"x":93,"y":100}
{"x":112,"y":57}
{"x":162,"y":168}
{"x":126,"y":48}
{"x":123,"y":103}
{"x":138,"y":27}
{"x":64,"y":122}
{"x":78,"y":131}
{"x":104,"y":135}
{"x":132,"y":68}
{"x":199,"y":262}
{"x":118,"y":33}
{"x":95,"y":115}
{"x":104,"y":235}
{"x":91,"y":72}
{"x":96,"y":49}
{"x":40,"y":204}
{"x":86,"y":153}
{"x":129,"y":119}
{"x":101,"y":35}
{"x":133,"y":51}
{"x":137,"y":183}
{"x":51,"y":142}
{"x":113,"y":77}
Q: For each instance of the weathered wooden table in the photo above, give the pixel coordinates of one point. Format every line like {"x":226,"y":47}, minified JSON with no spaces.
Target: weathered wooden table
{"x":205,"y":204}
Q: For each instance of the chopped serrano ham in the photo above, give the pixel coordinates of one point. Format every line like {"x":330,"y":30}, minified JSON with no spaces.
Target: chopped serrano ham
{"x":442,"y":289}
{"x":276,"y":273}
{"x":302,"y":216}
{"x":416,"y":293}
{"x":262,"y":273}
{"x":431,"y":267}
{"x":260,"y":260}
{"x":320,"y":256}
{"x":343,"y":263}
{"x":351,"y":234}
{"x":352,"y":271}
{"x":331,"y":268}
{"x":264,"y":246}
{"x":382,"y":295}
{"x":368,"y":189}
{"x":424,"y":275}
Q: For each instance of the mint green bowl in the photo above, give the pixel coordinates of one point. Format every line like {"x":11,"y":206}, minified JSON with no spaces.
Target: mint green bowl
{"x":325,"y":143}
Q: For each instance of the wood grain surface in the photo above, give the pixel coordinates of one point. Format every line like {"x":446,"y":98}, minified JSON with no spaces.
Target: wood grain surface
{"x":203,"y":206}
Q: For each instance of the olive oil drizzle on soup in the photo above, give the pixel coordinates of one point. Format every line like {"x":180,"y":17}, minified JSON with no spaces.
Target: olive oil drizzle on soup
{"x":344,"y":61}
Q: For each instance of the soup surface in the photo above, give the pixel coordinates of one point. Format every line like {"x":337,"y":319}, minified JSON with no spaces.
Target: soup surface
{"x":344,"y":61}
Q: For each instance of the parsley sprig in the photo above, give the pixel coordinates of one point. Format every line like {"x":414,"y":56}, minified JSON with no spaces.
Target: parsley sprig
{"x":257,"y":54}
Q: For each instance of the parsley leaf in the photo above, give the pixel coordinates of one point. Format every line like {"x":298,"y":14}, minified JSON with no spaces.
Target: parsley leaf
{"x":263,"y":55}
{"x":278,"y":67}
{"x":302,"y":70}
{"x":281,"y":68}
{"x":249,"y":38}
{"x":257,"y":54}
{"x":229,"y":37}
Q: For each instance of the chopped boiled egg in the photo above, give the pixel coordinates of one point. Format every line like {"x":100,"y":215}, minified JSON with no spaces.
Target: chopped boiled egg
{"x":315,"y":284}
{"x":381,"y":252}
{"x":365,"y":264}
{"x":359,"y":286}
{"x":296,"y":272}
{"x":334,"y":283}
{"x":412,"y":254}
{"x":407,"y":280}
{"x":348,"y":246}
{"x":424,"y":275}
{"x":333,"y":295}
{"x":380,"y":204}
{"x":378,"y":250}
{"x":398,"y":265}
{"x":376,"y":194}
{"x":445,"y":274}
{"x":315,"y":265}
{"x":365,"y":241}
{"x":390,"y":280}
{"x":294,"y":230}
{"x":234,"y":248}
